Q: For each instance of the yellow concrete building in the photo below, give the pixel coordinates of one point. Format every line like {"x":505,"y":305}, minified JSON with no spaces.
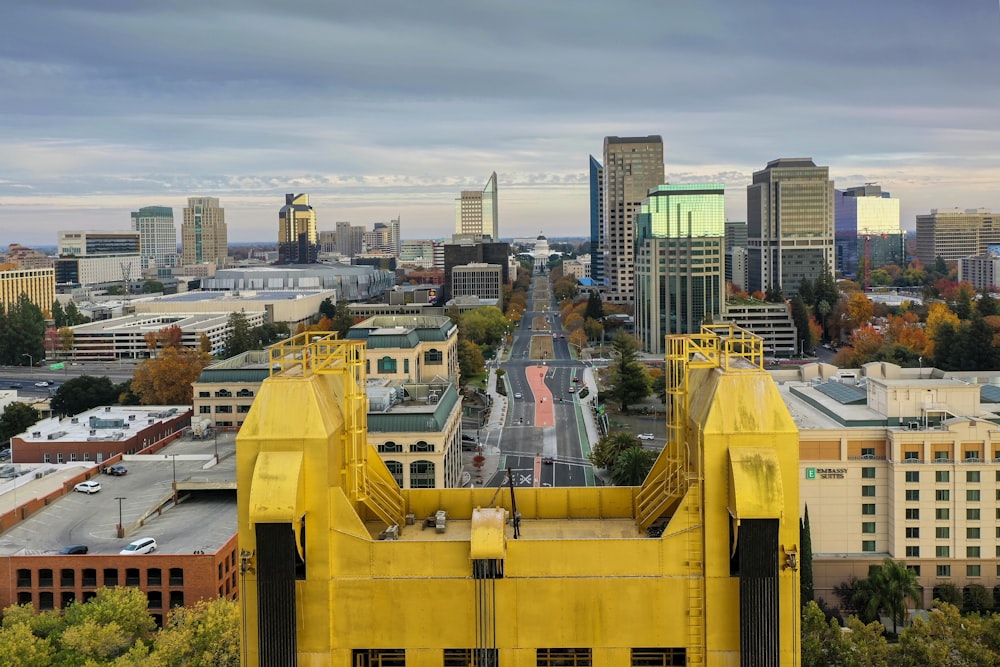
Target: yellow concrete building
{"x":696,"y":567}
{"x":38,"y":284}
{"x":903,"y":464}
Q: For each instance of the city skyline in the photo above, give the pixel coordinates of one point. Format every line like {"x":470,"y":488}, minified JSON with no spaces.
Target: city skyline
{"x":117,"y":117}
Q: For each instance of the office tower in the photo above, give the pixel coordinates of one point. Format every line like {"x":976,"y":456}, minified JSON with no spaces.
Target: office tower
{"x":736,"y":254}
{"x":298,"y":241}
{"x":394,"y":240}
{"x":866,"y":226}
{"x":204,"y":237}
{"x":157,"y":236}
{"x":596,"y":221}
{"x":477,"y":279}
{"x":38,"y":284}
{"x":476,"y":211}
{"x":463,"y":251}
{"x":98,"y":257}
{"x":632,"y":167}
{"x":789,"y":224}
{"x":953,"y":234}
{"x":736,"y":235}
{"x":350,"y":239}
{"x":328,"y":241}
{"x":379,"y":239}
{"x":680,"y":231}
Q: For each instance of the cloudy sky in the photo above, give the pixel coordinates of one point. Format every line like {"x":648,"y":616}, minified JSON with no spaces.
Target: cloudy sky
{"x":379,"y":109}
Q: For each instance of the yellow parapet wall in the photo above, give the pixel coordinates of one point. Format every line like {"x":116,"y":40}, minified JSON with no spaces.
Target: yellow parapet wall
{"x":340,"y":567}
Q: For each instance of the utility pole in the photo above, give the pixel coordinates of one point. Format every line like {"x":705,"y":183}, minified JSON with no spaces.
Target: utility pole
{"x":121,"y":528}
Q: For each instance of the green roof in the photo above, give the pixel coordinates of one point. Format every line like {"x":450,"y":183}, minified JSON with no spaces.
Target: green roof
{"x":257,"y":375}
{"x":402,"y":421}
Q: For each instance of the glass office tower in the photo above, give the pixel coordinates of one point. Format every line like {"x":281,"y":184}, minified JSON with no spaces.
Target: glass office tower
{"x":679,"y":269}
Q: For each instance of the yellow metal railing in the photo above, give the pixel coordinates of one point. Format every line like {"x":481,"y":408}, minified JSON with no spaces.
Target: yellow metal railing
{"x":322,"y":353}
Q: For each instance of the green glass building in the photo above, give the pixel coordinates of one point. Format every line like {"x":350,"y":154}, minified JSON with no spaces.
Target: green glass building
{"x":680,"y":255}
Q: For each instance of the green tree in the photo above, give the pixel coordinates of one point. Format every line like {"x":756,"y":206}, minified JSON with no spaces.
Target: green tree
{"x":631,"y":381}
{"x":83,"y":393}
{"x":74,"y":316}
{"x":21,"y":648}
{"x":343,"y":320}
{"x":773,"y":294}
{"x":987,"y":305}
{"x":976,"y":599}
{"x":607,"y":450}
{"x":239,"y":339}
{"x":949,"y":594}
{"x":800,"y":316}
{"x":483,"y":326}
{"x":327,"y":308}
{"x":152,"y":287}
{"x":205,"y":635}
{"x":806,"y":559}
{"x":124,"y":393}
{"x":632,"y":466}
{"x":16,"y":418}
{"x":22,"y":333}
{"x":595,"y":307}
{"x":894,"y":584}
{"x":470,"y":360}
{"x":58,"y":314}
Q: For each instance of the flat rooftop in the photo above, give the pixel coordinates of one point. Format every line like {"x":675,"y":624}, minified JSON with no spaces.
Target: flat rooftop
{"x":460,"y":530}
{"x":102,"y":424}
{"x":204,"y":519}
{"x":241,"y":295}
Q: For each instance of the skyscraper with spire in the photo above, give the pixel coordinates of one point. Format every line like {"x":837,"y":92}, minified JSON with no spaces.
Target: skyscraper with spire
{"x":476,"y":211}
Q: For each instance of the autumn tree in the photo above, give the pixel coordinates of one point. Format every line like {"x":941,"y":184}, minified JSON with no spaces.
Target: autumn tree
{"x":937,"y":314}
{"x":166,"y":379}
{"x":859,"y":310}
{"x":205,"y":635}
{"x":470,"y":359}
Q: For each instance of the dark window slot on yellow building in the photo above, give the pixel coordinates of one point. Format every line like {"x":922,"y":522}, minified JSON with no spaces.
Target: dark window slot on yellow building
{"x":379,"y":657}
{"x":563,"y":657}
{"x":467,"y":657}
{"x":487,"y":568}
{"x":659,"y":657}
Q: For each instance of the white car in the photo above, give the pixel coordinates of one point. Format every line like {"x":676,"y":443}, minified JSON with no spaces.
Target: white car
{"x":42,"y":384}
{"x":88,"y":487}
{"x":143,"y":545}
{"x":645,"y":436}
{"x":518,"y":395}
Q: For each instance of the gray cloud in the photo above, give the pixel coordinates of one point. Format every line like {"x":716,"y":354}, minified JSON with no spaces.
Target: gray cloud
{"x":383,"y":108}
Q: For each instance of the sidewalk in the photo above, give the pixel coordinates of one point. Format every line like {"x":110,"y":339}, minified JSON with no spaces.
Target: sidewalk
{"x":489,"y":434}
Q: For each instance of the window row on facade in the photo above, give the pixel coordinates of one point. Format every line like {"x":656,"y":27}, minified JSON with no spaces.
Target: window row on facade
{"x":544,"y":657}
{"x":45,"y":577}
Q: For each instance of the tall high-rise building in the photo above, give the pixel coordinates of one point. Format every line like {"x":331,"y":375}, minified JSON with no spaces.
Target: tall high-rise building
{"x":350,"y":239}
{"x":394,"y":239}
{"x":204,"y":237}
{"x":789,"y":224}
{"x":157,"y":235}
{"x":680,"y":232}
{"x":596,"y":221}
{"x":476,"y":211}
{"x":298,"y":241}
{"x":956,"y":233}
{"x":866,"y":225}
{"x":632,"y":167}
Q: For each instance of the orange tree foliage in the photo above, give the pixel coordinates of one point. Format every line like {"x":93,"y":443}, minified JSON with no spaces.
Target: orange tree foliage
{"x":937,"y":314}
{"x":905,"y":330}
{"x":578,"y":338}
{"x":166,"y":380}
{"x":859,"y":310}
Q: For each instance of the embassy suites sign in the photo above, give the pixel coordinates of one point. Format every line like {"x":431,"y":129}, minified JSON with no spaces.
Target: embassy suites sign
{"x":826,"y":473}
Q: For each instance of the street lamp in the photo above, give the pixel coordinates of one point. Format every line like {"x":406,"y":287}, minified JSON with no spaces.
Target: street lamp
{"x":121,"y":528}
{"x":31,"y":360}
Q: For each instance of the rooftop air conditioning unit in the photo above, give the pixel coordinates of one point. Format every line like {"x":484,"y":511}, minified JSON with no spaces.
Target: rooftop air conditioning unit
{"x":107,"y":408}
{"x":93,"y":431}
{"x":914,"y":426}
{"x":36,"y":434}
{"x":74,"y":420}
{"x":390,"y":533}
{"x":131,"y":418}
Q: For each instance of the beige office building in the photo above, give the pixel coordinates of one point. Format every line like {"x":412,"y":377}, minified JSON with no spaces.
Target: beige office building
{"x":477,"y":211}
{"x":204,"y":236}
{"x":632,"y":167}
{"x":902,"y":464}
{"x":477,"y":279}
{"x":956,"y":233}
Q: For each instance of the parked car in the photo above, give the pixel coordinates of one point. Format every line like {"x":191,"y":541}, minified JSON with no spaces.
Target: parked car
{"x":117,"y":470}
{"x":88,"y":487}
{"x":74,"y":550}
{"x":645,"y":436}
{"x":468,"y":438}
{"x":143,"y":545}
{"x":4,"y":453}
